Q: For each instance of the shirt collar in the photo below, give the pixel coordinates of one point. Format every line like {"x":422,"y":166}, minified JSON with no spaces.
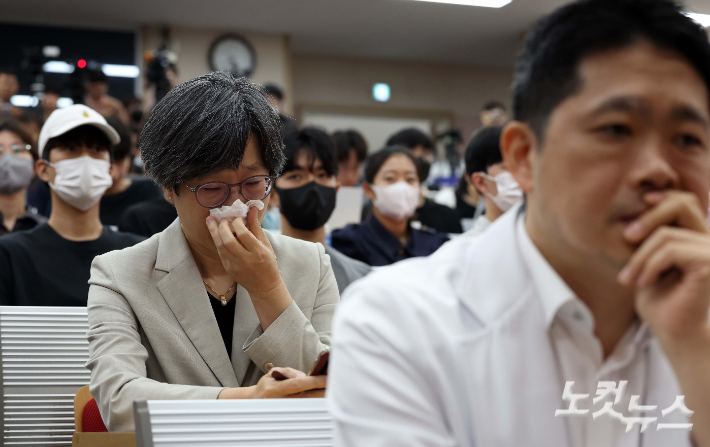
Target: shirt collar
{"x":554,"y":293}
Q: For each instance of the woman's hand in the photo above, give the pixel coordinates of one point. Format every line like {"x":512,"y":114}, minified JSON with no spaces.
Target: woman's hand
{"x":298,"y":385}
{"x":246,"y":253}
{"x":249,"y":259}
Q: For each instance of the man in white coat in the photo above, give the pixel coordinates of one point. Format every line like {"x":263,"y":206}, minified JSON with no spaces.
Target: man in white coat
{"x":601,"y":278}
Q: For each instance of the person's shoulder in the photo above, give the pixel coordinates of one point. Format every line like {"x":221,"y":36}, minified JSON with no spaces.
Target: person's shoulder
{"x":343,"y":259}
{"x":130,"y":250}
{"x":146,"y":186}
{"x":347,"y":231}
{"x":291,"y":248}
{"x":19,"y":239}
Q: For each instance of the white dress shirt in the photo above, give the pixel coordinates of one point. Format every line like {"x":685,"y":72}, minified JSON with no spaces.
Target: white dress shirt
{"x":473,"y":346}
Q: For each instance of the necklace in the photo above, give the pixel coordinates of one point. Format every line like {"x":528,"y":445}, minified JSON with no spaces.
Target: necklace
{"x":222,"y":298}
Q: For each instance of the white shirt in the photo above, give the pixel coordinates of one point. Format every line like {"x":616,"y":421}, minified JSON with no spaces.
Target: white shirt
{"x":473,"y":346}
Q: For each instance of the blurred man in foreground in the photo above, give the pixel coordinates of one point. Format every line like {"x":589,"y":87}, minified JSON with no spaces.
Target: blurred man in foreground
{"x":602,"y":278}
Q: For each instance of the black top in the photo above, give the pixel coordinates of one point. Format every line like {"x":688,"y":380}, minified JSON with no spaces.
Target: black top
{"x":27,"y":221}
{"x":465,"y":210}
{"x":149,"y":217}
{"x":372,"y":244}
{"x":40,"y":268}
{"x":437,"y":217}
{"x":113,"y":206}
{"x":225,"y":319}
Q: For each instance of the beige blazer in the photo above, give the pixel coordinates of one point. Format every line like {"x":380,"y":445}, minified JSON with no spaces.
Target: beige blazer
{"x":153,"y":335}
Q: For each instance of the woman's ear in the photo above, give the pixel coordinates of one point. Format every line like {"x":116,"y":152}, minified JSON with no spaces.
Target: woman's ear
{"x":169,"y":195}
{"x":518,"y":144}
{"x":369,"y":193}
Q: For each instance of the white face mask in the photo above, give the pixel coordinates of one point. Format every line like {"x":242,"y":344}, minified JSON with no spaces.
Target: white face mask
{"x":398,"y":201}
{"x":509,"y":192}
{"x":81,"y":181}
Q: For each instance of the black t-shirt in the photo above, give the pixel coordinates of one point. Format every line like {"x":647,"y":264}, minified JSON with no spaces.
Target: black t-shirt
{"x":149,"y":217}
{"x":113,"y":206}
{"x":438,"y":217}
{"x":225,"y":320}
{"x":40,"y":268}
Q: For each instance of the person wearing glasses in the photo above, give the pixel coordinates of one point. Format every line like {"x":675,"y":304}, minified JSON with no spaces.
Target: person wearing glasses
{"x":16,"y":173}
{"x":211,"y":307}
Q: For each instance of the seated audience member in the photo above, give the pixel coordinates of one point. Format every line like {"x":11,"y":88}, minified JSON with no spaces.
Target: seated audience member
{"x":432,"y":215}
{"x":306,"y":192}
{"x":148,"y":217}
{"x":49,"y":265}
{"x":602,"y":278}
{"x":466,"y":202}
{"x":125,"y":191}
{"x":277,"y":99}
{"x":208,"y":307}
{"x":97,"y":97}
{"x":392,"y":184}
{"x":9,"y":86}
{"x":494,"y":114}
{"x":489,"y":175}
{"x":352,"y":152}
{"x":52,"y":93}
{"x":16,"y":173}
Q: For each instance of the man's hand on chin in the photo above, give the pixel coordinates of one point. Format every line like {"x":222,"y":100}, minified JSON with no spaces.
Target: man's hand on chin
{"x":670,"y":272}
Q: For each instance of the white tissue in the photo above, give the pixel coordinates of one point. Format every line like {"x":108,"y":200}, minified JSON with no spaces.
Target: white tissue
{"x":236,"y":210}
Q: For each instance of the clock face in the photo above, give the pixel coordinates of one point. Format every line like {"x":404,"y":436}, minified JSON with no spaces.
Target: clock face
{"x":232,"y":53}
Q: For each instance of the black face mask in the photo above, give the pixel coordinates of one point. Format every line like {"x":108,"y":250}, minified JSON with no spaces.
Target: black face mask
{"x":426,"y":167}
{"x":307,"y":207}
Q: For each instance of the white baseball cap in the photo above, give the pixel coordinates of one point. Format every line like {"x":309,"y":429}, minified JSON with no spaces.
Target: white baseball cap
{"x":63,"y":120}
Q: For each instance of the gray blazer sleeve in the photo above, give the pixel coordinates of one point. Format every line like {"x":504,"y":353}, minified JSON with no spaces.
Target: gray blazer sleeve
{"x":117,"y":359}
{"x":292,"y":340}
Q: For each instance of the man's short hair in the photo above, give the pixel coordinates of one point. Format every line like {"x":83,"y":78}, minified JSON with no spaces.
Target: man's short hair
{"x":350,"y":140}
{"x":202,"y":126}
{"x":546,"y":72}
{"x":274,"y":91}
{"x":484,"y":150}
{"x":123,"y":148}
{"x":10,"y":124}
{"x":53,"y":89}
{"x":492,"y":105}
{"x":410,"y":138}
{"x":316,"y":143}
{"x":86,"y":135}
{"x":96,"y":76}
{"x":6,"y":70}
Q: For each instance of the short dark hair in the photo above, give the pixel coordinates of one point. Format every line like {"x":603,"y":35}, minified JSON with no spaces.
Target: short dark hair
{"x":375,"y":161}
{"x":410,"y":138}
{"x":484,"y":150}
{"x":123,"y":148}
{"x":86,"y":135}
{"x":96,"y":76}
{"x":53,"y":89}
{"x":350,"y":140}
{"x":10,"y":124}
{"x":492,"y":105}
{"x":546,"y":72}
{"x":316,"y":143}
{"x":202,"y":126}
{"x":274,"y":91}
{"x":8,"y":71}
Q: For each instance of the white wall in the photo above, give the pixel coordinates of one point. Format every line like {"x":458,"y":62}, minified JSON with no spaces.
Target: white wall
{"x":459,"y":90}
{"x":192,"y":46}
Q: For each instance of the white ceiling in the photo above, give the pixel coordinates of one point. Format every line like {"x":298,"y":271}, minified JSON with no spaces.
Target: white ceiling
{"x":393,"y":29}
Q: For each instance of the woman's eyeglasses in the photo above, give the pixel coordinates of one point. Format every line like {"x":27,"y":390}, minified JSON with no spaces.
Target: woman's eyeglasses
{"x":16,"y":148}
{"x":214,"y":194}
